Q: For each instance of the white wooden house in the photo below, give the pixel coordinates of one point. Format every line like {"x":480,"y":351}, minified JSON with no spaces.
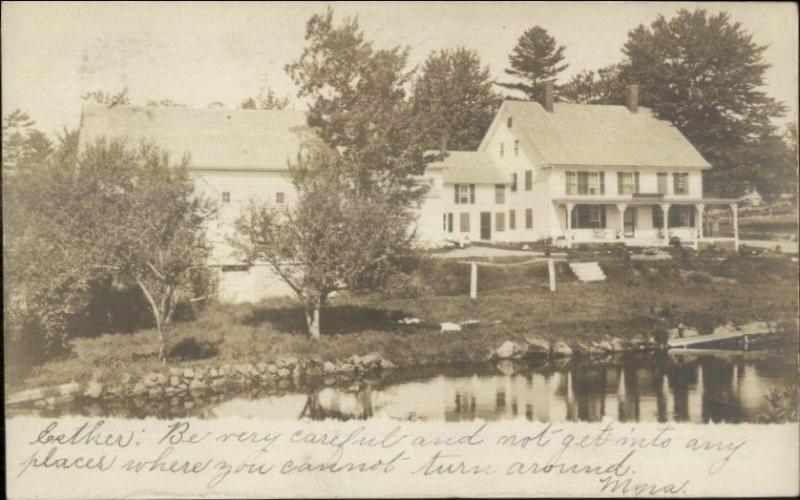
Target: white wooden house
{"x":576,"y":173}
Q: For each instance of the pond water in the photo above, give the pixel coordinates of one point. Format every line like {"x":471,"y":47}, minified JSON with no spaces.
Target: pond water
{"x":691,"y":388}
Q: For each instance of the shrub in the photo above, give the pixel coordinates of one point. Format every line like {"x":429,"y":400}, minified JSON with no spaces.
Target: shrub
{"x":780,"y":405}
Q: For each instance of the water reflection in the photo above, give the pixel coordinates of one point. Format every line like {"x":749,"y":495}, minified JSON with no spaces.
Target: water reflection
{"x":687,"y":388}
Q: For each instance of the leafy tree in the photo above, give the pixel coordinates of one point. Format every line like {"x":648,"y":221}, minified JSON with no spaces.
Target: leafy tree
{"x":350,"y":227}
{"x":105,"y":212}
{"x":777,"y":159}
{"x":333,"y":238}
{"x":453,"y":98}
{"x":358,"y":106}
{"x":705,"y":74}
{"x":111,"y":100}
{"x":22,"y":145}
{"x":603,"y":86}
{"x":155,"y":234}
{"x":266,"y":99}
{"x":39,"y":294}
{"x":536,"y":59}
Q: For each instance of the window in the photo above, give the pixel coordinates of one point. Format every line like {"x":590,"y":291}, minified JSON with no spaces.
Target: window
{"x":463,"y":222}
{"x":500,"y":221}
{"x":512,"y":219}
{"x":499,"y":193}
{"x":528,"y":180}
{"x":528,"y":218}
{"x":680,"y":183}
{"x":589,"y":217}
{"x":681,"y":216}
{"x":226,"y":197}
{"x":279,"y":198}
{"x":662,"y":183}
{"x":514,"y":182}
{"x":464,"y":193}
{"x":627,"y":182}
{"x":585,"y":182}
{"x":510,"y":122}
{"x":516,"y":148}
{"x":502,"y":149}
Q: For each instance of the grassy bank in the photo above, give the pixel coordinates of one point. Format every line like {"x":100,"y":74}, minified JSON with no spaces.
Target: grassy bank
{"x":639,"y":298}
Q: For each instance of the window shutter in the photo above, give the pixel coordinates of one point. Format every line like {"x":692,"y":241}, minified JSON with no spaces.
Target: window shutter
{"x":602,"y":183}
{"x":619,"y":182}
{"x":570,"y":179}
{"x":456,"y":186}
{"x":472,"y":193}
{"x":636,"y":182}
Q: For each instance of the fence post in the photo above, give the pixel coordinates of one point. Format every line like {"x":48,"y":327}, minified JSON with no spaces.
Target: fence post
{"x":473,"y":281}
{"x":551,"y":274}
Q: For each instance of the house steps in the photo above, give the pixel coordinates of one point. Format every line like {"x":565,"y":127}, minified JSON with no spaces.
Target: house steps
{"x":587,"y":271}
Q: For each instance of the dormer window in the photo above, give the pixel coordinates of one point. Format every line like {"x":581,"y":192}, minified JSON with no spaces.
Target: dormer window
{"x":510,"y":122}
{"x":226,"y":197}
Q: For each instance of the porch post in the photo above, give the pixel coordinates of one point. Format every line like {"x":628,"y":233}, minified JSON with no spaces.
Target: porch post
{"x":735,"y":209}
{"x":665,"y":212}
{"x":569,"y":206}
{"x":698,"y":223}
{"x":621,"y":209}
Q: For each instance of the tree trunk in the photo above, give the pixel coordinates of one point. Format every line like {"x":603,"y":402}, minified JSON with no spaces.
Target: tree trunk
{"x":312,"y":319}
{"x":162,"y":346}
{"x":160,"y":326}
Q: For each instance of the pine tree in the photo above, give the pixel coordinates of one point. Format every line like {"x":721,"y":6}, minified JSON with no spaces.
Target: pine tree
{"x":536,"y":59}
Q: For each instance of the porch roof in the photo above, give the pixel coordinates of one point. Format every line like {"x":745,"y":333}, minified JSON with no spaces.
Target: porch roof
{"x":642,"y":200}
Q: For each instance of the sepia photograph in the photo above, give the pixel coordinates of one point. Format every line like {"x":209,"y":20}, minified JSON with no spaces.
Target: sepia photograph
{"x":384,"y":249}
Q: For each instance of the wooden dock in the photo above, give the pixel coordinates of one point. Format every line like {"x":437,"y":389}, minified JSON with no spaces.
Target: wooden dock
{"x":698,"y":340}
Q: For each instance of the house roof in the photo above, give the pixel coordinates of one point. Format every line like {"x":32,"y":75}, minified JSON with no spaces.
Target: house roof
{"x":597,"y":135}
{"x":215,"y":138}
{"x":470,"y":167}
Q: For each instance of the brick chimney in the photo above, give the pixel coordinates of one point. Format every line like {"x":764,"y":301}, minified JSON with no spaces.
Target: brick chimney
{"x":549,"y":96}
{"x":633,"y":98}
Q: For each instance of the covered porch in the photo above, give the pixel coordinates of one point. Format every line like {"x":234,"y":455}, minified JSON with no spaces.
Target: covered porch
{"x":637,"y":220}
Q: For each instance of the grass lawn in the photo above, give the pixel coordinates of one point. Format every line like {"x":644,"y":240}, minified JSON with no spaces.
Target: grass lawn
{"x":639,"y":298}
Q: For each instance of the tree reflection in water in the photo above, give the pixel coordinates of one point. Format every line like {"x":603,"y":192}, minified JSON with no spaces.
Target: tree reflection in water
{"x":686,"y":388}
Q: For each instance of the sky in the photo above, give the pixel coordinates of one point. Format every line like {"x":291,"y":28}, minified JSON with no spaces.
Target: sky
{"x":199,"y":53}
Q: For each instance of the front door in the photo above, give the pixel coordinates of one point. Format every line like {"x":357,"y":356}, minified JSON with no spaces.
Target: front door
{"x":486,"y":225}
{"x":629,"y":222}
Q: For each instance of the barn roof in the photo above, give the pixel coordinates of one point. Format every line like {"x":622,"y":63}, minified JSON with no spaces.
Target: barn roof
{"x":214,"y":138}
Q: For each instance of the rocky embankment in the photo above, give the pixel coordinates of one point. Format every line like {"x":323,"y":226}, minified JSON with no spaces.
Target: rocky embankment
{"x":197,"y":381}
